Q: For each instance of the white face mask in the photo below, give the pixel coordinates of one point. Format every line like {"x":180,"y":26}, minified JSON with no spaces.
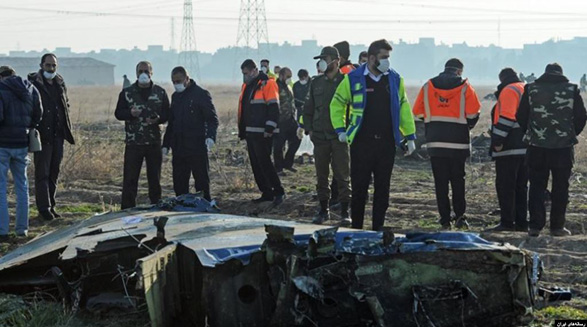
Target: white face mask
{"x":144,"y":78}
{"x":303,"y":81}
{"x":322,"y":65}
{"x":264,"y":69}
{"x":383,"y":65}
{"x":179,"y":87}
{"x":288,"y":81}
{"x":49,"y":75}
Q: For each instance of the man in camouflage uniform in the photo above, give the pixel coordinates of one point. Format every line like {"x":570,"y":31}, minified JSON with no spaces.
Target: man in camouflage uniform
{"x":551,"y":114}
{"x":142,"y":107}
{"x":288,"y":125}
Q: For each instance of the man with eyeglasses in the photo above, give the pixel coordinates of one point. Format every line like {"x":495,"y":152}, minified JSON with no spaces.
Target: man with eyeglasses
{"x":143,"y":107}
{"x":54,"y":129}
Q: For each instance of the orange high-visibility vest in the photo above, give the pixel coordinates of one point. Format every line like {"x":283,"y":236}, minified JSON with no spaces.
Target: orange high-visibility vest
{"x":508,"y":102}
{"x":505,"y":130}
{"x":347,"y":68}
{"x":445,"y":114}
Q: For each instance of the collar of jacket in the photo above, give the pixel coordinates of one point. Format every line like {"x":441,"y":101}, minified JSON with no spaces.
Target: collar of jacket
{"x":509,"y":80}
{"x":552,"y":78}
{"x":358,"y":75}
{"x":361,"y":71}
{"x":38,"y":78}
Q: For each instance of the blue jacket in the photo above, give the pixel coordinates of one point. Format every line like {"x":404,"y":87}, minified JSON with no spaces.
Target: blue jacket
{"x":353,"y":91}
{"x":20,"y":110}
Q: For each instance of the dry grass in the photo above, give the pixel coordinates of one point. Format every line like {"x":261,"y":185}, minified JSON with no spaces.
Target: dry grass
{"x":91,"y":176}
{"x":100,"y":136}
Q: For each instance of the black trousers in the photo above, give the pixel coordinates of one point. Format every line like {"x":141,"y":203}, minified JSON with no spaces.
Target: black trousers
{"x":511,"y":183}
{"x":133,"y":162}
{"x":559,"y":196}
{"x":287,"y":134}
{"x":449,"y":171}
{"x":371,"y":158}
{"x":196,"y":165}
{"x":47,"y":166}
{"x":259,"y":149}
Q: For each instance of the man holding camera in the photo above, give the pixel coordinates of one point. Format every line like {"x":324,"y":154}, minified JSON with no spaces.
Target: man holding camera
{"x":142,"y":107}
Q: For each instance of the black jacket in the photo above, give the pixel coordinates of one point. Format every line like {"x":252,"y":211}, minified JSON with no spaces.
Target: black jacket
{"x":47,"y":125}
{"x":192,"y":118}
{"x":300,"y":94}
{"x":20,"y":110}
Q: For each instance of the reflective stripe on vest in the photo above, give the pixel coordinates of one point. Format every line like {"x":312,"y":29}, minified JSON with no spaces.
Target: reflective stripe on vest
{"x":513,"y":152}
{"x":447,"y":145}
{"x":259,"y":130}
{"x":459,"y":120}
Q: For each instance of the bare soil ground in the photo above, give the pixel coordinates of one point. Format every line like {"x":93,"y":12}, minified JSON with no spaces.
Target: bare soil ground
{"x":92,"y":178}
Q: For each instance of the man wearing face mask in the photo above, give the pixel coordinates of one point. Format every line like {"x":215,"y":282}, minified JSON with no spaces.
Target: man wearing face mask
{"x":142,"y":106}
{"x":450,"y":109}
{"x":258,"y":114}
{"x":54,"y":129}
{"x":363,"y":58}
{"x":190,"y":133}
{"x":266,"y":69}
{"x":288,"y":125}
{"x":380,"y":120}
{"x":328,"y":151}
{"x":300,"y":92}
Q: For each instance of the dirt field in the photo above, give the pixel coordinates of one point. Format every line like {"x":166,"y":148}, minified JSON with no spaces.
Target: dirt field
{"x":92,"y":178}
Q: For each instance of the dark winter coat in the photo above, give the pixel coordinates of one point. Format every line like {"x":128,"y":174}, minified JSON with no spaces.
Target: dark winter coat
{"x":47,"y":126}
{"x":20,"y":110}
{"x":192,"y":119}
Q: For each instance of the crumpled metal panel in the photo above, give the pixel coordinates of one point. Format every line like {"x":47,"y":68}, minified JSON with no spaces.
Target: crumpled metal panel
{"x":226,"y":270}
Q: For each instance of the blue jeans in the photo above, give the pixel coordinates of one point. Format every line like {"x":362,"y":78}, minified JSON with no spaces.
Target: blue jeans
{"x":17,"y":161}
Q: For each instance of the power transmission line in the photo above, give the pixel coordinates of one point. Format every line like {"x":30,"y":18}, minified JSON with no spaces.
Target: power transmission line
{"x":188,"y":56}
{"x":288,"y":20}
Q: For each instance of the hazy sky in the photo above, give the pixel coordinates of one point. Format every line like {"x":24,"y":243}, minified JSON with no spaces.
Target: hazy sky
{"x":86,"y":25}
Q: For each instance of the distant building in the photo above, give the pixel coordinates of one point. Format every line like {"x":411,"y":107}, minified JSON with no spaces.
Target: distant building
{"x":75,"y":71}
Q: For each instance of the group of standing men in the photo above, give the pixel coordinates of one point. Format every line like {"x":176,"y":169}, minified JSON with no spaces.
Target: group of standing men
{"x":39,"y":105}
{"x":358,"y":115}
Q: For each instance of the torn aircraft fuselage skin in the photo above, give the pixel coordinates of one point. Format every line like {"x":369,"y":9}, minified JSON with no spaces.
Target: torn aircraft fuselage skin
{"x":207,"y":269}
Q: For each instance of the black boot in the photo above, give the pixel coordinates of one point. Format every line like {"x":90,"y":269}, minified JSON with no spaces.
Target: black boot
{"x":323,"y":214}
{"x":344,"y":214}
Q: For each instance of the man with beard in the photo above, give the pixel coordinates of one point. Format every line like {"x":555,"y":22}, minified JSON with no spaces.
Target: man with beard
{"x":380,"y":119}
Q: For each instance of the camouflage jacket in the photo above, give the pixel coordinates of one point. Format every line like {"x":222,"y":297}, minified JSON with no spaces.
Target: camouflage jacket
{"x":154,"y":103}
{"x":287,"y":108}
{"x":550,"y":123}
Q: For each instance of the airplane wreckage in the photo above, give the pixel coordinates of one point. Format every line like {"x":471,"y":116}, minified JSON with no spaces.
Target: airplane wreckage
{"x":192,"y":266}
